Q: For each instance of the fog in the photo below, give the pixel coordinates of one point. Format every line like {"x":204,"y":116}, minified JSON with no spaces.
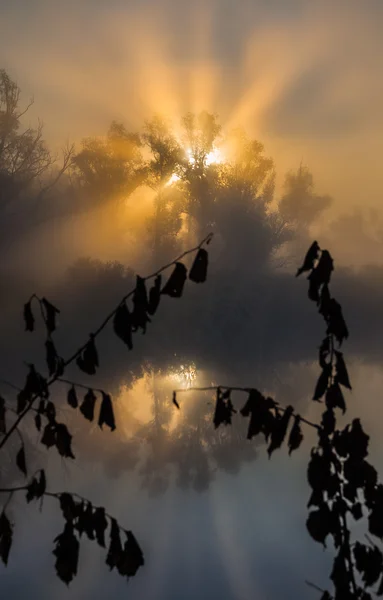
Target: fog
{"x":214,"y":517}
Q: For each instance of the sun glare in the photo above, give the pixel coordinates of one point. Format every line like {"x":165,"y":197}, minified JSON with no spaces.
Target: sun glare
{"x":186,"y":375}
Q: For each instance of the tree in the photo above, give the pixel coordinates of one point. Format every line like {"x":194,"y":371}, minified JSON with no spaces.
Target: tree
{"x":111,"y":167}
{"x":27,"y":170}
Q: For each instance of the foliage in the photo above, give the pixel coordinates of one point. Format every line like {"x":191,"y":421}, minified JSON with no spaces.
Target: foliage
{"x":344,"y":484}
{"x":79,"y":514}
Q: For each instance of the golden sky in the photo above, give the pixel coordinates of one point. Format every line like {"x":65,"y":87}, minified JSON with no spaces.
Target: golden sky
{"x":306,"y":78}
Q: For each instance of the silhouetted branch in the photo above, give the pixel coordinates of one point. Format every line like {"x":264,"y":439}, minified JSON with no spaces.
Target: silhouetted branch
{"x":100,"y":328}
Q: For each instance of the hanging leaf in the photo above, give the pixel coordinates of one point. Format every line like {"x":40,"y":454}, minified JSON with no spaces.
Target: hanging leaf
{"x":122,"y":325}
{"x":114,"y":555}
{"x":336,"y":322}
{"x":88,"y":359}
{"x":132,"y":558}
{"x":22,"y":400}
{"x":198,"y":271}
{"x":324,"y":352}
{"x":261,"y":418}
{"x":50,"y":315}
{"x":155,"y":295}
{"x":20,"y":460}
{"x":72,"y":397}
{"x":36,"y":488}
{"x":106,"y":412}
{"x":328,"y":422}
{"x":357,"y":441}
{"x":296,"y":436}
{"x":279,"y":430}
{"x":63,"y":441}
{"x":6,"y":535}
{"x":140,"y":306}
{"x":85,"y":521}
{"x":51,"y":356}
{"x":341,"y":371}
{"x":68,"y":507}
{"x":175,"y":284}
{"x":36,"y":384}
{"x":49,"y":435}
{"x":66,"y":553}
{"x":100,"y":525}
{"x":322,"y":383}
{"x":223,"y":408}
{"x":335,"y":398}
{"x":310,"y":258}
{"x":3,"y":427}
{"x":319,"y":524}
{"x":175,"y":400}
{"x":340,"y":576}
{"x":369,"y":563}
{"x":325,"y":301}
{"x":50,"y":412}
{"x":88,"y":404}
{"x":28,"y":317}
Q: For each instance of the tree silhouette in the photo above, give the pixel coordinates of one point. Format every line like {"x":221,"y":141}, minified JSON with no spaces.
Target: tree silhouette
{"x":79,"y":514}
{"x":28,"y":170}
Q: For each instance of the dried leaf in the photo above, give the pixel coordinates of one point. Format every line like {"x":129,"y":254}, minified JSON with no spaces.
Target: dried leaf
{"x":88,"y":359}
{"x":223,"y":409}
{"x":319,"y":524}
{"x":115,"y":547}
{"x":51,"y":357}
{"x":66,"y":553}
{"x":49,"y":435}
{"x":155,"y":295}
{"x":369,"y":563}
{"x":322,"y":383}
{"x":106,"y":412}
{"x":296,"y":436}
{"x":63,"y":441}
{"x":6,"y":535}
{"x":36,"y":384}
{"x":310,"y":258}
{"x":175,"y":284}
{"x":20,"y":460}
{"x":279,"y":430}
{"x":122,"y":325}
{"x":22,"y":400}
{"x":100,"y":525}
{"x":72,"y":397}
{"x":140,"y":306}
{"x":335,"y":398}
{"x":50,"y":315}
{"x":36,"y":488}
{"x":335,"y":320}
{"x":28,"y":317}
{"x":88,"y":404}
{"x":198,"y":271}
{"x":132,"y":558}
{"x":68,"y":507}
{"x":341,"y":371}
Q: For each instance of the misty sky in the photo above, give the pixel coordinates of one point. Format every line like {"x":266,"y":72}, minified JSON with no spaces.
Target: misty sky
{"x":306,"y":78}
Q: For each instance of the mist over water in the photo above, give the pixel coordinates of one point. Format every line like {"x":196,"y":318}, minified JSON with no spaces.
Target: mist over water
{"x":214,"y":516}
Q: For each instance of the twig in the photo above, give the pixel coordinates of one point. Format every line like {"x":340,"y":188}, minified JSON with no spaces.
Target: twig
{"x":54,"y":378}
{"x":245,"y":390}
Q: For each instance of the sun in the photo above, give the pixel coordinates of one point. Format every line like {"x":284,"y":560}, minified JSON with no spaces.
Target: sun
{"x":214,"y":157}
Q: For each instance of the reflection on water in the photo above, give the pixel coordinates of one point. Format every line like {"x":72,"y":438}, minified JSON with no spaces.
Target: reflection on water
{"x":162,"y":444}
